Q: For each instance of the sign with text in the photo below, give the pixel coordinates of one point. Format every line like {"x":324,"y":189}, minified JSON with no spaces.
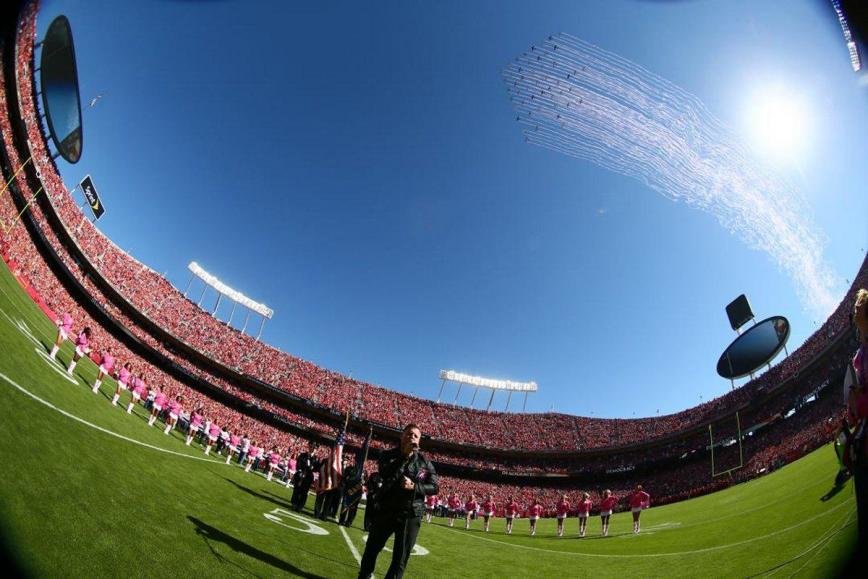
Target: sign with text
{"x":92,"y":197}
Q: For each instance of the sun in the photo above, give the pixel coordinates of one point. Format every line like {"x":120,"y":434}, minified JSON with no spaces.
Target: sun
{"x":779,"y":123}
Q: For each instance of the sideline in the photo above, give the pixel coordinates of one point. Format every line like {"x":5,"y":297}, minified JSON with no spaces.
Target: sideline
{"x":352,"y":547}
{"x":100,"y":428}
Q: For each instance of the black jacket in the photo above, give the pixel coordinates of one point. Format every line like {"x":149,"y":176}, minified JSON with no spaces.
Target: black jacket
{"x":392,"y":498}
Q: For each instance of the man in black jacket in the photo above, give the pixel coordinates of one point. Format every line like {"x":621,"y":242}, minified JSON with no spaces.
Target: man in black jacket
{"x":408,"y":476}
{"x":305,"y":466}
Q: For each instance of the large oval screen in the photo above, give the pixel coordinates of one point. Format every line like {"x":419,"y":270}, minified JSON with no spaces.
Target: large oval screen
{"x":757,"y":346}
{"x":60,"y":94}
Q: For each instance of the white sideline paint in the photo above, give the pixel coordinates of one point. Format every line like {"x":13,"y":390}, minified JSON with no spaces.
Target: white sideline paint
{"x":40,"y":348}
{"x":23,"y":390}
{"x":352,"y":547}
{"x":309,"y":526}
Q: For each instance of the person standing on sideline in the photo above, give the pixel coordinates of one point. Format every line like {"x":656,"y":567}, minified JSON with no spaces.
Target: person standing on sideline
{"x":584,"y":507}
{"x":639,"y":500}
{"x":64,"y":330}
{"x":488,"y":510}
{"x":510,"y":512}
{"x":408,"y":477}
{"x":533,"y":514}
{"x":563,"y":509}
{"x":606,"y":505}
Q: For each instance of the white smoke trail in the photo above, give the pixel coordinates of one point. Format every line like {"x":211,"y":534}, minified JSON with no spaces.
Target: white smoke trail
{"x":577,"y":99}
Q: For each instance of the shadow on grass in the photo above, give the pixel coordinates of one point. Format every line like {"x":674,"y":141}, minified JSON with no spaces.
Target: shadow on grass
{"x":209,"y":533}
{"x":834,"y":490}
{"x":284,"y":504}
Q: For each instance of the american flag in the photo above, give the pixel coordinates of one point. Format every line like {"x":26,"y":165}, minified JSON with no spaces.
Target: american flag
{"x":331,"y":471}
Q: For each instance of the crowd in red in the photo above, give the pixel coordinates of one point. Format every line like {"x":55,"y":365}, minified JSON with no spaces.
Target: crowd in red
{"x":150,"y":293}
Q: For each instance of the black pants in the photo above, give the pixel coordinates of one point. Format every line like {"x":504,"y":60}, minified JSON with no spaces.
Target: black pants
{"x":348,"y":514}
{"x":405,"y":529}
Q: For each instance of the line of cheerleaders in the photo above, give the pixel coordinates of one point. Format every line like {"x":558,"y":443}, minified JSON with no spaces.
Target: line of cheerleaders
{"x":638,"y":499}
{"x":210,"y":434}
{"x":161,"y":407}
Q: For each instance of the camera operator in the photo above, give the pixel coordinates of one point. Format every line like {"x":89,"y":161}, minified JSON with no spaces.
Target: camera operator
{"x":407,"y":477}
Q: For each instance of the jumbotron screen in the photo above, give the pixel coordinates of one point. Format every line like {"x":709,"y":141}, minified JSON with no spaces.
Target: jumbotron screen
{"x":60,"y":92}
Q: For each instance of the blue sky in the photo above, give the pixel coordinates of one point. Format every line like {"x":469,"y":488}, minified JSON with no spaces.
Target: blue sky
{"x":357,"y":167}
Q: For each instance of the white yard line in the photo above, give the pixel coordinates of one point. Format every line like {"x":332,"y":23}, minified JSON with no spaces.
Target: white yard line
{"x":352,"y":547}
{"x":100,"y":428}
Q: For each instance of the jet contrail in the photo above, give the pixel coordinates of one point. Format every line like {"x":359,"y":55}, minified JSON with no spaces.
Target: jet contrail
{"x":577,"y":99}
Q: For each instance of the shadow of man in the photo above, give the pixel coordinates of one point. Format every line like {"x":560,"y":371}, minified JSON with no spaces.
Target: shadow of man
{"x":209,"y":533}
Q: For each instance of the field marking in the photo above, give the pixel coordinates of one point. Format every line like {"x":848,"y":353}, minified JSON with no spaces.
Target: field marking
{"x":671,"y":554}
{"x":418,"y":550}
{"x":352,"y":547}
{"x":311,"y":528}
{"x":100,"y":428}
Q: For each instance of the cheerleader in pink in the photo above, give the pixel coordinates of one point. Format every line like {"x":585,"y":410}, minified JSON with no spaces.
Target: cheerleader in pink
{"x":252,"y":455}
{"x":454,"y":504}
{"x":124,"y":376}
{"x":273,"y":460}
{"x":64,"y":330}
{"x":138,"y":391}
{"x":81,"y":349}
{"x":488,"y":508}
{"x":584,"y":507}
{"x":606,"y":505}
{"x":175,"y":410}
{"x":430,"y":503}
{"x":639,"y":500}
{"x":511,"y":512}
{"x":106,"y":366}
{"x":234,"y":441}
{"x":213,"y":435}
{"x":533,"y":514}
{"x":470,"y":508}
{"x":562,"y":509}
{"x":159,"y":403}
{"x":195,"y":424}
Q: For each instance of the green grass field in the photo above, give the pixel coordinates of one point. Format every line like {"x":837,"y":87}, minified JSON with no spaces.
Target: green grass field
{"x":89,"y":491}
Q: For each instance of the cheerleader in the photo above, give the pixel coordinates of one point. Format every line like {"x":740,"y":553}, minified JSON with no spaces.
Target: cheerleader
{"x":470,"y":508}
{"x":81,"y":349}
{"x":213,"y":434}
{"x":606,"y":505}
{"x":106,"y":366}
{"x":562,"y":509}
{"x":584,"y":507}
{"x":123,"y":381}
{"x":195,"y":424}
{"x":430,"y":503}
{"x":160,"y":400}
{"x":454,"y":503}
{"x":234,"y":441}
{"x":488,"y":508}
{"x":139,"y":388}
{"x":175,"y":409}
{"x":64,"y":329}
{"x":534,"y":513}
{"x":252,"y":456}
{"x":273,"y":460}
{"x":511,"y":512}
{"x":639,"y":500}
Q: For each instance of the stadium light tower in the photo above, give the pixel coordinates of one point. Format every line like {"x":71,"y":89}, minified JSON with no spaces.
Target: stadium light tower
{"x":224,"y":290}
{"x":493,"y":384}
